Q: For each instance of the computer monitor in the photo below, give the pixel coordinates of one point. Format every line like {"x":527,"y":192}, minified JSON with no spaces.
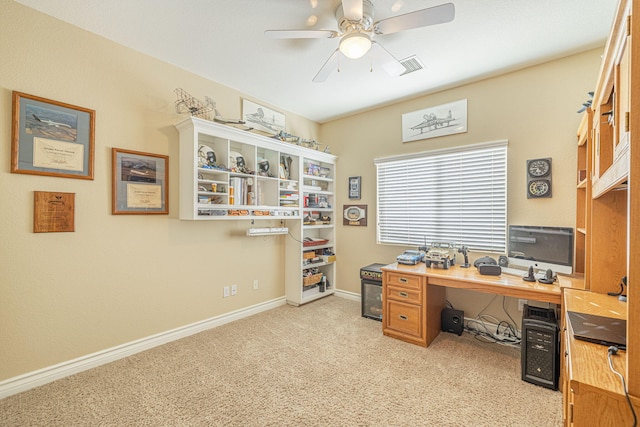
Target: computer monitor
{"x":541,"y":247}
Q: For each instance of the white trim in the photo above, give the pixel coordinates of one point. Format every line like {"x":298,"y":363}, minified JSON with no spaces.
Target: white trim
{"x":46,"y":375}
{"x":352,"y":296}
{"x":477,"y":146}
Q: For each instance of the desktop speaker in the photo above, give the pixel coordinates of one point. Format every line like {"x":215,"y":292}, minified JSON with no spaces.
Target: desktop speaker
{"x":452,"y":321}
{"x":489,"y":269}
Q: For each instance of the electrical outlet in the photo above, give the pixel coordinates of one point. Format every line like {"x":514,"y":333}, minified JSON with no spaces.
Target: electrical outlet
{"x":225,"y":292}
{"x":234,"y":289}
{"x":521,"y":303}
{"x":255,"y":284}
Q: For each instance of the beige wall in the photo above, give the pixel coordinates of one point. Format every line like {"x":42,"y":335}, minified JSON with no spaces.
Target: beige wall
{"x":534,"y":109}
{"x":116,"y":278}
{"x":121,"y":278}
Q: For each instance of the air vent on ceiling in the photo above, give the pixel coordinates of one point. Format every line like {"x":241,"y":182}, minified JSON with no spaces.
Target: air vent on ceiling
{"x":411,"y":64}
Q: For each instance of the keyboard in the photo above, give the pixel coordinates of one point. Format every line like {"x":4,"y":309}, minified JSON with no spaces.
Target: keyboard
{"x":520,"y":273}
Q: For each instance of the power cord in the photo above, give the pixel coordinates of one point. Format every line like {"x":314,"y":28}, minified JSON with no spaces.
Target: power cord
{"x":481,"y":331}
{"x":612,"y":351}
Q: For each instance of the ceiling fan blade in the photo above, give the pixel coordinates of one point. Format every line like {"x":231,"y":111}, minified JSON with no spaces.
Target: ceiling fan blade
{"x":332,"y":64}
{"x":352,"y":9}
{"x":301,"y":34}
{"x":381,"y":57}
{"x":420,"y":18}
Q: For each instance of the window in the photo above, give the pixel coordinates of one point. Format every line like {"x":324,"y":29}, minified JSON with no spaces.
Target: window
{"x":454,"y":195}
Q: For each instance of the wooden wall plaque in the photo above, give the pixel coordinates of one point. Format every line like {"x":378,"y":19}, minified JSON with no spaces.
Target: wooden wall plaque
{"x":53,"y":212}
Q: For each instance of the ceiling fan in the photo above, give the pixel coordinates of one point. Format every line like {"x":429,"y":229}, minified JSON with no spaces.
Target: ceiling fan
{"x":355,"y":21}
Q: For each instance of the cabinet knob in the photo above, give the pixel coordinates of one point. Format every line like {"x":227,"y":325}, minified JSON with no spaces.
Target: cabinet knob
{"x":403,"y":294}
{"x":402,"y":280}
{"x":403,"y":317}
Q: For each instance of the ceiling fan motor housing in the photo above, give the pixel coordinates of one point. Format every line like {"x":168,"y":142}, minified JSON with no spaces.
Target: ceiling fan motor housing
{"x":365,"y":24}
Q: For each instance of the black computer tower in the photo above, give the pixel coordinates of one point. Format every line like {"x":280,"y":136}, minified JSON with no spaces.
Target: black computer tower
{"x":540,"y":347}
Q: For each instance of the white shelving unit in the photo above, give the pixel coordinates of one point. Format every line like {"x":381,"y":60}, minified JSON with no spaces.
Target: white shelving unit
{"x":297,"y":188}
{"x":317,"y":225}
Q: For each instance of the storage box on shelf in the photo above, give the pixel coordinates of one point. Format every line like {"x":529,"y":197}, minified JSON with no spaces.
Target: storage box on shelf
{"x":230,"y":174}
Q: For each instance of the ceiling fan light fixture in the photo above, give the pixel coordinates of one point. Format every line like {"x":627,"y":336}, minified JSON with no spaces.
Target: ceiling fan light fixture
{"x":355,"y":45}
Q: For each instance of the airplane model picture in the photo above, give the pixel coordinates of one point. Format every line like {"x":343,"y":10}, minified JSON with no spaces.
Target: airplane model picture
{"x":259,"y":118}
{"x":435,"y":121}
{"x":432,"y":122}
{"x":51,"y":122}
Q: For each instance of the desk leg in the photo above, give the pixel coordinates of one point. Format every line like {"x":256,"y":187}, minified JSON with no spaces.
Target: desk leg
{"x":436,"y":296}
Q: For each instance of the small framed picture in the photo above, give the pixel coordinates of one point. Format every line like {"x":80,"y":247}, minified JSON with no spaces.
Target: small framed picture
{"x":354,"y":215}
{"x":140,"y":182}
{"x":51,"y":138}
{"x":354,"y":187}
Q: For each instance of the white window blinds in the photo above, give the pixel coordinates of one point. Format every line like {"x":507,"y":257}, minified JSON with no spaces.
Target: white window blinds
{"x":455,"y":195}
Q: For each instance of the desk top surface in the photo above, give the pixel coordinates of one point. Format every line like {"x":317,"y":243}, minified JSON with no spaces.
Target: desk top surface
{"x":588,"y":362}
{"x":505,"y":284}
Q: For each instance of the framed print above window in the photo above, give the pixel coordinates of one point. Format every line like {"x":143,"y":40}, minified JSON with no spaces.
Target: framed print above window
{"x":441,"y":120}
{"x":140,"y":182}
{"x":51,"y":138}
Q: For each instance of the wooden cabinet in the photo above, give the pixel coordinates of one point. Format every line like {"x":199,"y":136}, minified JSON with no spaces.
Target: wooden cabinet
{"x":231,"y":174}
{"x":608,"y":226}
{"x":404,"y":304}
{"x":410,"y":307}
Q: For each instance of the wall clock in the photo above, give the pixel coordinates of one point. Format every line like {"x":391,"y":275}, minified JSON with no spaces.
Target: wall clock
{"x":539,"y":178}
{"x":539,"y":188}
{"x":539,"y":167}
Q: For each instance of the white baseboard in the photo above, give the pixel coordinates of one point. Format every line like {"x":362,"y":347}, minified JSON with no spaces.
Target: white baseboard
{"x":46,"y":375}
{"x":347,"y":295}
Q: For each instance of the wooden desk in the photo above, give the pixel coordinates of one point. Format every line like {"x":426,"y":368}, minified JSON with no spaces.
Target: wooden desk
{"x":414,"y":296}
{"x":593,"y":395}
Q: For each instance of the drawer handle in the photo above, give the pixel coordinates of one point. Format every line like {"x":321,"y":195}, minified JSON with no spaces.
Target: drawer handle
{"x":403,"y":294}
{"x":403,"y":317}
{"x":403,"y":280}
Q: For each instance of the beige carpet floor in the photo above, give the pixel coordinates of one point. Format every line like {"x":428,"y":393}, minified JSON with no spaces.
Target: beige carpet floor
{"x":321,"y":364}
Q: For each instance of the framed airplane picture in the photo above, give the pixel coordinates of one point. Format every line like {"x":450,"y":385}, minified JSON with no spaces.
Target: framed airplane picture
{"x":432,"y":122}
{"x":51,"y":138}
{"x":262,"y":118}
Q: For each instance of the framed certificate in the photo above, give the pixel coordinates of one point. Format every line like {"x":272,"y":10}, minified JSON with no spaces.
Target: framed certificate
{"x":51,"y":138}
{"x":140,"y":183}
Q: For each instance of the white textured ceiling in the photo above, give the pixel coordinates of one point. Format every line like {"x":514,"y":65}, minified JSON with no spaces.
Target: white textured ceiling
{"x":223,"y":40}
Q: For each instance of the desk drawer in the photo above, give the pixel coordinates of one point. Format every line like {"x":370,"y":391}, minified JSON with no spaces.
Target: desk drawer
{"x":404,"y":280}
{"x":404,"y":294}
{"x":405,"y":318}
